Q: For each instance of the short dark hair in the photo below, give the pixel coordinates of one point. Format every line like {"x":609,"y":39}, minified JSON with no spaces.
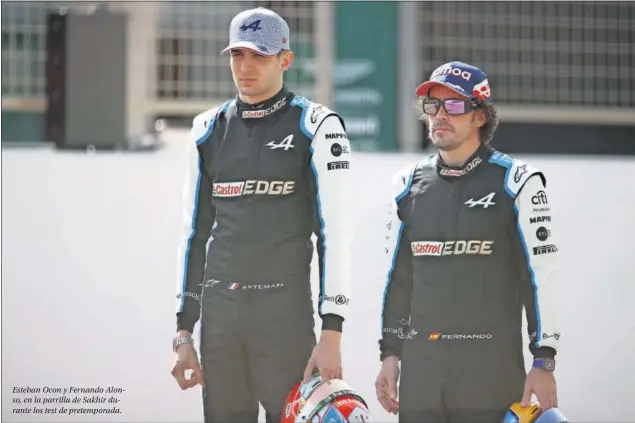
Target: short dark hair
{"x":486,"y":132}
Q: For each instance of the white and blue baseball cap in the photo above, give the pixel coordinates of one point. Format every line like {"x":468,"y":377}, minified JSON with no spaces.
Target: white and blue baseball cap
{"x":464,"y":79}
{"x":260,"y":30}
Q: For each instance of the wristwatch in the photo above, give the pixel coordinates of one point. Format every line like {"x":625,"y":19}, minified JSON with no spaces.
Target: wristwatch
{"x":547,"y":363}
{"x":180,"y":340}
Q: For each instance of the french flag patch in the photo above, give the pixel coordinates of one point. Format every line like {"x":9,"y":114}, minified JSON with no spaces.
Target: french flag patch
{"x":233,"y":286}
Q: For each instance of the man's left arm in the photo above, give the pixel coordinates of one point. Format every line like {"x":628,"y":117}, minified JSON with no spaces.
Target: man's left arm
{"x":535,"y":223}
{"x":331,"y":165}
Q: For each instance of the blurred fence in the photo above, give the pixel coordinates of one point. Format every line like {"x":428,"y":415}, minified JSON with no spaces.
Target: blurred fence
{"x":560,"y":62}
{"x":562,"y":57}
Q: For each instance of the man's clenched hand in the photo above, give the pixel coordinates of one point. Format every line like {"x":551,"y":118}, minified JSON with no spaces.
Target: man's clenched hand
{"x":187,"y":359}
{"x":326,"y":357}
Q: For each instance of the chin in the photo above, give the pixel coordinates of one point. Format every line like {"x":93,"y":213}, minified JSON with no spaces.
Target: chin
{"x":249,"y":91}
{"x":444,"y":144}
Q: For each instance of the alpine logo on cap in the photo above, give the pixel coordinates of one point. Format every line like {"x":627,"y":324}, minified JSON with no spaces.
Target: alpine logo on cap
{"x":254,"y":26}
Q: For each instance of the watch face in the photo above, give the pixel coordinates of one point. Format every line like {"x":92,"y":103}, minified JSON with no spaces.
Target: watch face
{"x":550,"y":365}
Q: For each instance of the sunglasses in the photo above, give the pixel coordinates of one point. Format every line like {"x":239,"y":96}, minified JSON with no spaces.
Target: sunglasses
{"x":452,"y":106}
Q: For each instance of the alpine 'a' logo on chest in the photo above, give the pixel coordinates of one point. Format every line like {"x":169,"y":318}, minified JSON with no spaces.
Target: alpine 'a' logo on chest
{"x":484,"y":202}
{"x":285,"y":143}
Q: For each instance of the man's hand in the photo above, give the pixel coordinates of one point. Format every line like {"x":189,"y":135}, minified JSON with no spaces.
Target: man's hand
{"x":187,"y":359}
{"x":543,"y":384}
{"x":386,"y":384}
{"x":326,"y":357}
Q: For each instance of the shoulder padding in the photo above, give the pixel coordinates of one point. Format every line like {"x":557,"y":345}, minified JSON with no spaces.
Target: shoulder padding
{"x":517,"y":172}
{"x":313,"y":114}
{"x":203,"y":123}
{"x":402,"y":181}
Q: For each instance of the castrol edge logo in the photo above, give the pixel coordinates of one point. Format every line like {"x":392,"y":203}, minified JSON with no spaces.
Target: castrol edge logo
{"x":448,"y":248}
{"x":236,"y":189}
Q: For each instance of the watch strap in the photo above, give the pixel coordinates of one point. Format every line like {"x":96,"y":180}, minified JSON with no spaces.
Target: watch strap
{"x":180,"y":340}
{"x":546,"y":363}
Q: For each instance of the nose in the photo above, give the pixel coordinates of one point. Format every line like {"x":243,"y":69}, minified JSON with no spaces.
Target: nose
{"x":247,"y":62}
{"x":441,"y":114}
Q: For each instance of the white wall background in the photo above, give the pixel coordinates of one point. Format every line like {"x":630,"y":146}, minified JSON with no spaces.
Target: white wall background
{"x":88,"y":280}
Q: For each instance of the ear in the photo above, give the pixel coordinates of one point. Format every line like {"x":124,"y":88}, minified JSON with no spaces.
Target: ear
{"x":479,"y":118}
{"x":286,"y":60}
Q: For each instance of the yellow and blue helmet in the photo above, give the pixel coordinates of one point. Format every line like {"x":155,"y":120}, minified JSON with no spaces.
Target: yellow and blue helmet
{"x":533,"y":414}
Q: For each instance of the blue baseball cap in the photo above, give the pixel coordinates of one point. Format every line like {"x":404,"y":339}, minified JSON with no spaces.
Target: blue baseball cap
{"x":464,"y":79}
{"x":259,"y":29}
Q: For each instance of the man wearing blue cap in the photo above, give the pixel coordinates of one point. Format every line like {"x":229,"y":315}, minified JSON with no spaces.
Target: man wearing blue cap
{"x":469,"y":244}
{"x":265,"y":171}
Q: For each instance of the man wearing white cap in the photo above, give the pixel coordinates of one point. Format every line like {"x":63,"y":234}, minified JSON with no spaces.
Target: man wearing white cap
{"x":266,"y":170}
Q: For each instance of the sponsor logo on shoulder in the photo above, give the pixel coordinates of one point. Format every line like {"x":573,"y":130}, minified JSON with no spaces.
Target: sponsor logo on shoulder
{"x":543,"y":233}
{"x":337,"y":136}
{"x":520,"y":171}
{"x":540,"y":219}
{"x":316,"y":113}
{"x":338,"y":165}
{"x":545,"y":249}
{"x":339,"y":149}
{"x":539,"y":198}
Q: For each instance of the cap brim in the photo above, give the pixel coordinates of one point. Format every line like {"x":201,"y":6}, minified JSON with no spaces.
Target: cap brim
{"x":426,"y":86}
{"x":271,"y":51}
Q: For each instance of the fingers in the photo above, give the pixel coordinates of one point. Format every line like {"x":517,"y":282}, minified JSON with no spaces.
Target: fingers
{"x":381,"y":395}
{"x":384,"y":396}
{"x":526,"y":399}
{"x":388,"y":404}
{"x":331,"y":371}
{"x":328,"y":373}
{"x":308,"y":371}
{"x":391,"y":389}
{"x":198,"y":376}
{"x":548,"y":400}
{"x":179,"y":374}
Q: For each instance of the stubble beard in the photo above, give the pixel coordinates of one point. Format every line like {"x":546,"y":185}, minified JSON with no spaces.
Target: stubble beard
{"x":445,"y":144}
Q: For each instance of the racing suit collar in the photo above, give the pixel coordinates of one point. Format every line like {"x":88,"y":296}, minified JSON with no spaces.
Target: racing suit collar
{"x":480,"y":155}
{"x":264,"y":108}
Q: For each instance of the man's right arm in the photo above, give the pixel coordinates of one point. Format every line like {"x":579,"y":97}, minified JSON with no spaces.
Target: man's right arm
{"x":398,"y":292}
{"x":198,"y":219}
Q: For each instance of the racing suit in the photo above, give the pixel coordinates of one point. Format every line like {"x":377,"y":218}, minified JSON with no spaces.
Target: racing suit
{"x":467,"y":249}
{"x":261,"y":180}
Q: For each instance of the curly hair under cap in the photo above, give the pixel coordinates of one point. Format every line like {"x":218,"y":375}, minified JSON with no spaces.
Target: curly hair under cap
{"x":486,"y":132}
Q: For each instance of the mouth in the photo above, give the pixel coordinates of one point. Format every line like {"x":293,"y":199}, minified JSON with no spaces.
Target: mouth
{"x":442,"y":129}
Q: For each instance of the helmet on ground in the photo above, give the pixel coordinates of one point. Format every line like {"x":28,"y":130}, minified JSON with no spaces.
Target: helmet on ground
{"x":533,"y":414}
{"x":330,"y":401}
